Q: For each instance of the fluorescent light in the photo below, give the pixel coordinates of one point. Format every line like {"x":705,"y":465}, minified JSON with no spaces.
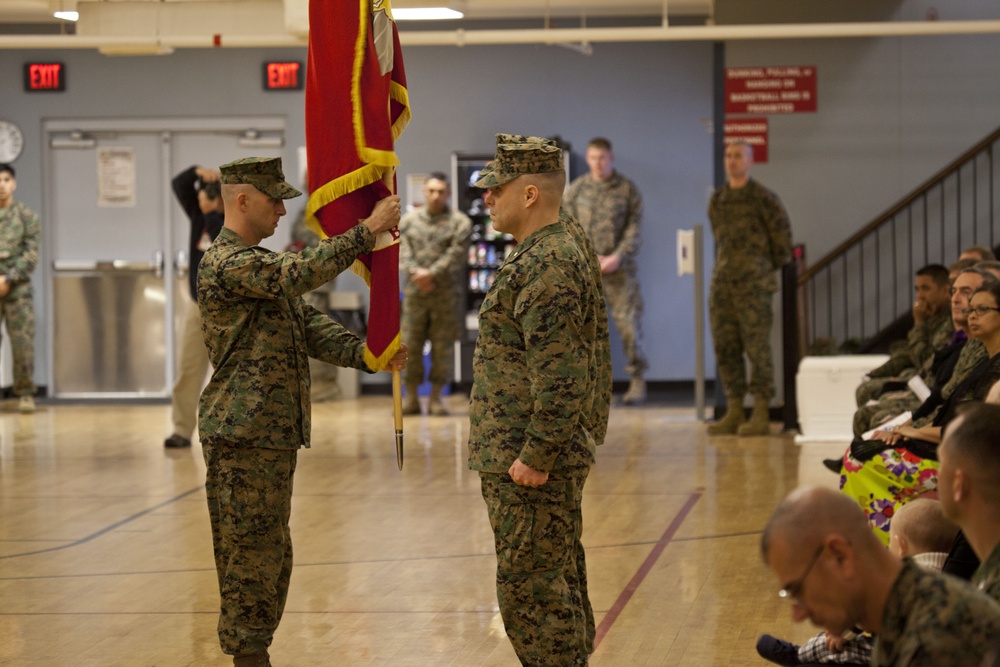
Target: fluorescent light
{"x":426,"y":14}
{"x":67,"y":16}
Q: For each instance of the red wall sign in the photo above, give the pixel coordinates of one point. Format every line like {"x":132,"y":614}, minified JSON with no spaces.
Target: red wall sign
{"x":44,"y":77}
{"x":283,"y":76}
{"x":752,"y":131}
{"x":770,"y":89}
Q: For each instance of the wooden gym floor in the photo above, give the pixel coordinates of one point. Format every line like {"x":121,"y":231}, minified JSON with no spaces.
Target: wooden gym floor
{"x":106,"y":556}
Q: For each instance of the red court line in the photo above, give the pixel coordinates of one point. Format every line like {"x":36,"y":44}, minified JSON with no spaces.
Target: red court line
{"x":623,"y":598}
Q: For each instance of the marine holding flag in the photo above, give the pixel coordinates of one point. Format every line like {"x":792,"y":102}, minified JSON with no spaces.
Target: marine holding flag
{"x":254,"y":413}
{"x":356,"y":107}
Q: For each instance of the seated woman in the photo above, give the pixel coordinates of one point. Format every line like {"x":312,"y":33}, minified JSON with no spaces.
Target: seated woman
{"x":908,"y":467}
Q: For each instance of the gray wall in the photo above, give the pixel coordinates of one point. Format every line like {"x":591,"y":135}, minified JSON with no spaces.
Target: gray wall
{"x":891,"y":112}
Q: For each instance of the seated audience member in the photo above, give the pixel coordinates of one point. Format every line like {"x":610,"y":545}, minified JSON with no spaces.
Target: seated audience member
{"x":919,"y":531}
{"x":978,"y":253}
{"x":932,"y":328}
{"x":899,"y":464}
{"x":837,"y":573}
{"x":969,"y":486}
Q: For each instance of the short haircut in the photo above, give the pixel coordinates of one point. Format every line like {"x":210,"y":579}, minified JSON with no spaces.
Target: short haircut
{"x":988,"y":278}
{"x":438,"y":176}
{"x":972,"y":438}
{"x":982,"y":251}
{"x":936,"y":272}
{"x":988,"y":265}
{"x":9,"y":169}
{"x":924,"y":526}
{"x":600,"y":142}
{"x":962,"y":265}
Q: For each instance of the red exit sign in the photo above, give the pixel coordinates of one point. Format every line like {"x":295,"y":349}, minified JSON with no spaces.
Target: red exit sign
{"x":45,"y":77}
{"x":283,"y":76}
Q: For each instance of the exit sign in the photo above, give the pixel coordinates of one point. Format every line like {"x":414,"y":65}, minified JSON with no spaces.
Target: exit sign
{"x":283,"y":76}
{"x":44,"y":77}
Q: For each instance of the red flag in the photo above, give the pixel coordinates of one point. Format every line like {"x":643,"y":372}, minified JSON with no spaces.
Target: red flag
{"x":356,"y":107}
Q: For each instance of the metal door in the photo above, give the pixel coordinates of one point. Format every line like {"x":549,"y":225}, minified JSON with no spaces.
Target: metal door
{"x":118,"y":244}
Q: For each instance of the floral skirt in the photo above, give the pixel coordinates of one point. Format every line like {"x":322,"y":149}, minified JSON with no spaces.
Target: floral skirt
{"x":883,"y":484}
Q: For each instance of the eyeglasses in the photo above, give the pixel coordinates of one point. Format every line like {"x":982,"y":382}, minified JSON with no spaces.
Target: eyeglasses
{"x":978,"y":310}
{"x":793,"y":589}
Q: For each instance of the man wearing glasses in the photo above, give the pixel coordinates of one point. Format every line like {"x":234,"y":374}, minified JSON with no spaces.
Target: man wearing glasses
{"x":836,"y":572}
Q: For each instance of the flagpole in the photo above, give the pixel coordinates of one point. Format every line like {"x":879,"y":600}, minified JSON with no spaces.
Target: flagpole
{"x":397,"y":384}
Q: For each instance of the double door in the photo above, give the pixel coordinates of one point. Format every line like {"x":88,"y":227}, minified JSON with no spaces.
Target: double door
{"x":117,"y":245}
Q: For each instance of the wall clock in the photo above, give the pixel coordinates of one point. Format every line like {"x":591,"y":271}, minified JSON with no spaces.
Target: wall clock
{"x":11,"y":141}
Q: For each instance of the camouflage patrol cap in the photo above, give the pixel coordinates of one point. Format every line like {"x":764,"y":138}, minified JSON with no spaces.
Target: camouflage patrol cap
{"x":518,"y":155}
{"x":264,"y":173}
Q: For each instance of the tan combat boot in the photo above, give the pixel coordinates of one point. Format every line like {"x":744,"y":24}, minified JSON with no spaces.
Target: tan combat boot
{"x":636,"y":394}
{"x":437,"y":406}
{"x":731,"y":421}
{"x":411,"y":405}
{"x":760,"y":420}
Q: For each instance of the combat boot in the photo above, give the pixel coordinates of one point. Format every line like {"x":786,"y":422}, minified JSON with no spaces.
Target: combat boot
{"x":731,"y":421}
{"x":760,"y":420}
{"x":252,"y":660}
{"x":636,"y":394}
{"x":411,"y":405}
{"x":437,"y":406}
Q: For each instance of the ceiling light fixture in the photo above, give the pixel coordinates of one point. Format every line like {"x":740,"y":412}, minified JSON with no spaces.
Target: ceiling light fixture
{"x":426,"y":14}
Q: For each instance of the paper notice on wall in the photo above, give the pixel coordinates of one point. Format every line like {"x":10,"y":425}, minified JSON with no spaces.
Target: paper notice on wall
{"x":116,"y":177}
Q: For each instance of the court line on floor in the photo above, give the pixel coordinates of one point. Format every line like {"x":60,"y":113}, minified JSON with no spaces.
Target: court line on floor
{"x":640,"y":575}
{"x":106,"y":529}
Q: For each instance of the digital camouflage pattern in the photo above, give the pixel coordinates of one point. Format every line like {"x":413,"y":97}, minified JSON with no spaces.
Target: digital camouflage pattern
{"x":933,"y":620}
{"x":264,"y":173}
{"x":517,"y":155}
{"x":255,"y":412}
{"x":752,"y":240}
{"x":914,"y":357}
{"x":540,"y":392}
{"x":541,"y":567}
{"x":260,"y":335}
{"x":973,"y":353}
{"x":20,"y":232}
{"x":610,"y":213}
{"x":987,"y":577}
{"x":249,"y":494}
{"x":439,"y":244}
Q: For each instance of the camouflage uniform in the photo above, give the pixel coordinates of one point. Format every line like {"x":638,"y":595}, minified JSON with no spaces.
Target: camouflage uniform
{"x":752,"y":240}
{"x":987,"y":577}
{"x":915,"y":357}
{"x":541,"y":393}
{"x":438,"y":243}
{"x":254,"y":413}
{"x":933,"y":620}
{"x":610,"y":212}
{"x":19,"y":235}
{"x":324,"y":376}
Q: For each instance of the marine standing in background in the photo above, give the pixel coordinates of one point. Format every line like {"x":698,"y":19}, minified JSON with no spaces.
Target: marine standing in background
{"x":609,"y":208}
{"x":433,"y":244}
{"x":198,"y":192}
{"x":539,"y":405}
{"x":20,"y":231}
{"x":255,"y":412}
{"x":753,"y":239}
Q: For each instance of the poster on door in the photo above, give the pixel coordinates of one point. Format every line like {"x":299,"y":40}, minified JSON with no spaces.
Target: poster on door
{"x":116,"y":177}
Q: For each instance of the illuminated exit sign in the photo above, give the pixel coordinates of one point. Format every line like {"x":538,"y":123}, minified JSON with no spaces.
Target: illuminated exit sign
{"x":44,"y":77}
{"x":283,"y":76}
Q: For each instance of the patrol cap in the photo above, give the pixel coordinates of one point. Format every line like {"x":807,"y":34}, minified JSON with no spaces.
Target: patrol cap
{"x":518,"y":155}
{"x":264,"y":173}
